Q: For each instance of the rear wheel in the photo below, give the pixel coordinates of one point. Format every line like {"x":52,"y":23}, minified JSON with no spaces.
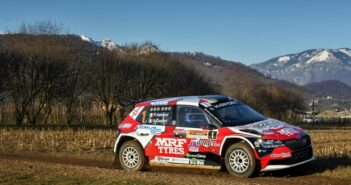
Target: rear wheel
{"x":131,"y":156}
{"x":240,"y":160}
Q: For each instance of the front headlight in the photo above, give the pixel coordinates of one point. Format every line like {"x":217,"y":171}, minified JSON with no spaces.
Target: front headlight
{"x":269,"y":143}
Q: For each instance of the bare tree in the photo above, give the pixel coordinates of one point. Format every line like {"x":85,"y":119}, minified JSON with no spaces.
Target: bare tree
{"x":45,"y":27}
{"x":3,"y":77}
{"x":51,"y":74}
{"x":23,"y":84}
{"x":32,"y":84}
{"x":78,"y":79}
{"x":147,"y":76}
{"x":41,"y":70}
{"x":111,"y":82}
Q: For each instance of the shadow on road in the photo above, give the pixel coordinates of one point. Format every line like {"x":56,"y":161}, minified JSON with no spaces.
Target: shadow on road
{"x":319,"y":165}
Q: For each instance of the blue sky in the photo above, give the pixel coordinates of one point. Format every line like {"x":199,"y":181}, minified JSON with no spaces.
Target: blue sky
{"x":249,"y":31}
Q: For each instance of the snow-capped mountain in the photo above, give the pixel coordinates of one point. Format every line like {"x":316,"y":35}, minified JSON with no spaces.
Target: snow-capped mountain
{"x":309,"y":66}
{"x":106,"y":43}
{"x":146,"y":49}
{"x":109,"y":44}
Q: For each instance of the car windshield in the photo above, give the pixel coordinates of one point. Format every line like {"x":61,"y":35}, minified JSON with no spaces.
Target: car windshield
{"x":236,"y":115}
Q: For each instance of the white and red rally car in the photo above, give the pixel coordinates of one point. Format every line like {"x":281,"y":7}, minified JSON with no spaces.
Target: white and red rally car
{"x":209,"y":131}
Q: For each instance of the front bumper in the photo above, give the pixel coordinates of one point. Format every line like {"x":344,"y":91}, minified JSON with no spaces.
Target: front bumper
{"x":280,"y":167}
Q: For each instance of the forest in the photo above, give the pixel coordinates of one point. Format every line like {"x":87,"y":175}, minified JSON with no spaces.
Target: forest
{"x":53,"y":78}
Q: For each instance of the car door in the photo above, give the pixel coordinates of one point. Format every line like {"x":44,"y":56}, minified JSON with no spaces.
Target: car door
{"x":197,"y":127}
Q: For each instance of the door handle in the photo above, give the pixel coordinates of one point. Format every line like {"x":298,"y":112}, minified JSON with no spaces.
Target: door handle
{"x":179,"y":134}
{"x":143,"y":133}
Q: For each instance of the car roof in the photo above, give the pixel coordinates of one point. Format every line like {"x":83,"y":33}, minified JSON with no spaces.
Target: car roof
{"x":186,"y":100}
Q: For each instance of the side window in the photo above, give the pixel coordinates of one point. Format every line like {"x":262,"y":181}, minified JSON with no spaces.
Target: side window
{"x":192,"y":117}
{"x":156,"y":115}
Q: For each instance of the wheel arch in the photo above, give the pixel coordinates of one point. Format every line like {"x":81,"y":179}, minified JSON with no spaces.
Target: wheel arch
{"x":228,"y":141}
{"x":122,"y":139}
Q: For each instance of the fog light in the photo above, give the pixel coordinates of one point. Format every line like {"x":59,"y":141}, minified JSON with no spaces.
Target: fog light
{"x":281,"y":155}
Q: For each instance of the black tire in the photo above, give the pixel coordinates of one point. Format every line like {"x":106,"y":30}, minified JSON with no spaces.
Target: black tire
{"x":223,"y":168}
{"x":240,"y":160}
{"x":131,"y":156}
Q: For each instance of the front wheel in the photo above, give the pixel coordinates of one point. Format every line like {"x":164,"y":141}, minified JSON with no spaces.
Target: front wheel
{"x":240,"y":160}
{"x":131,"y":156}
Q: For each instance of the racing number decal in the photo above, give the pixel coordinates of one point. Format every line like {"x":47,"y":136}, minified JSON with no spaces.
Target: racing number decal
{"x":144,"y":116}
{"x":212,"y":135}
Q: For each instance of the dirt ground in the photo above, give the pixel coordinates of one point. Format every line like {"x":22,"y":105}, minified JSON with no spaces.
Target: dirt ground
{"x":67,"y":169}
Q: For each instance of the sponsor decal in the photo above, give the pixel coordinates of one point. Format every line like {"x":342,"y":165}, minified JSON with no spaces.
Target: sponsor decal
{"x":158,"y":118}
{"x":200,"y":134}
{"x":162,"y":159}
{"x":170,"y":145}
{"x":288,"y":131}
{"x":188,"y":155}
{"x":163,"y":102}
{"x":195,"y":143}
{"x":194,"y":146}
{"x":224,"y":104}
{"x":158,"y":103}
{"x":267,"y":124}
{"x":124,"y":125}
{"x":264,"y":127}
{"x":155,"y":109}
{"x":262,"y":150}
{"x":134,"y":114}
{"x":194,"y":161}
{"x":179,"y":130}
{"x":208,"y":143}
{"x":176,"y":160}
{"x":157,"y":115}
{"x":179,"y":160}
{"x":267,"y":132}
{"x":153,"y":130}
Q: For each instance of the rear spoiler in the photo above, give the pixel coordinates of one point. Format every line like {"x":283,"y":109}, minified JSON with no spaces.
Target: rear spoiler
{"x":126,"y":103}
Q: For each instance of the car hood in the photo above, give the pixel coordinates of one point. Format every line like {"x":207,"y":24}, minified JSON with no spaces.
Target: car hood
{"x":273,"y":129}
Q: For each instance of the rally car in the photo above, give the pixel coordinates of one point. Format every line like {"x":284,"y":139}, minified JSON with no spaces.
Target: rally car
{"x":211,"y":130}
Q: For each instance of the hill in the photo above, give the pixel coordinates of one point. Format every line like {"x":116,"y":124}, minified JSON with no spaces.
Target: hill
{"x":228,"y":75}
{"x":332,"y":88}
{"x":110,"y":73}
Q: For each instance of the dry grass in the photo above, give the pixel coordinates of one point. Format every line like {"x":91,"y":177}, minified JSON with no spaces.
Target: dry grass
{"x":50,"y":140}
{"x":332,"y":149}
{"x":336,"y":143}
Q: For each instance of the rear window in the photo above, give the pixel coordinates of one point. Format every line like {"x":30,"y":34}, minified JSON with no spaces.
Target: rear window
{"x":156,"y":115}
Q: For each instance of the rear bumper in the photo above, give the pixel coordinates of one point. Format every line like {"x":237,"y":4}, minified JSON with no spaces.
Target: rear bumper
{"x":280,"y":167}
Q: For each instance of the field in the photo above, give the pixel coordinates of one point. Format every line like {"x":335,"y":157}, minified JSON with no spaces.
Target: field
{"x":84,"y":156}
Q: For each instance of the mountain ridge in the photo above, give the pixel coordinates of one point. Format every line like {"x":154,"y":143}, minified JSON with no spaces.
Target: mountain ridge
{"x":142,"y":49}
{"x":313,"y":65}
